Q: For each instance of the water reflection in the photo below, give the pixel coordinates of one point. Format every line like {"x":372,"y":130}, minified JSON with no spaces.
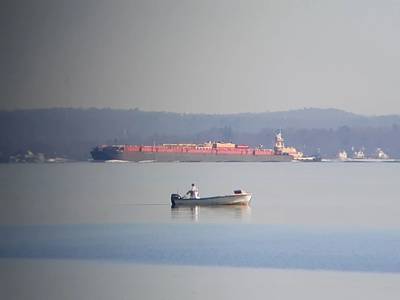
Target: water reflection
{"x":211,"y":213}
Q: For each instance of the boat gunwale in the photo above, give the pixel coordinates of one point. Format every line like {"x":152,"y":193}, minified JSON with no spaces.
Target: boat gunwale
{"x":215,"y":197}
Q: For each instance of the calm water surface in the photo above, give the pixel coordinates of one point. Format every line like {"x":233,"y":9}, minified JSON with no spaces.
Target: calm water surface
{"x":321,"y":223}
{"x":315,"y":194}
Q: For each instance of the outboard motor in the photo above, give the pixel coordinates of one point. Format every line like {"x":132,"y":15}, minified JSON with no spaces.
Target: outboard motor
{"x":173,"y":198}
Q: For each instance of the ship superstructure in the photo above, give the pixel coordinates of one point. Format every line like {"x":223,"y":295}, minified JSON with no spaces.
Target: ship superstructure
{"x":281,"y":149}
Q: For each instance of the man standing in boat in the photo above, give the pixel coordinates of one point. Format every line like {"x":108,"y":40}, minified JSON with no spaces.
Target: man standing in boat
{"x":193,"y":192}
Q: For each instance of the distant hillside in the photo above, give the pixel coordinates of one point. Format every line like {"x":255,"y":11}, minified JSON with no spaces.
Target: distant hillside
{"x":72,"y":132}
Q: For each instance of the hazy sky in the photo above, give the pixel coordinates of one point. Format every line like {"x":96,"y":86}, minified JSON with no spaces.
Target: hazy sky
{"x":201,"y":56}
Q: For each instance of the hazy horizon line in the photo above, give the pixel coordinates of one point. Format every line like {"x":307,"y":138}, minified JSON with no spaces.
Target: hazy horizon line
{"x":195,"y":113}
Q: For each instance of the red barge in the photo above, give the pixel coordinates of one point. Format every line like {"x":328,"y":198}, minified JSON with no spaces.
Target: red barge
{"x":207,"y":152}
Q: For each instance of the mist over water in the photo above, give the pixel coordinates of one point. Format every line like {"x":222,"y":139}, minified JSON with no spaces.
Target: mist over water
{"x":259,"y":246}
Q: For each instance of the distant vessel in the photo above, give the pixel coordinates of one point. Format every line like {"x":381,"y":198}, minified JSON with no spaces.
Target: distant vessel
{"x":342,"y":155}
{"x":207,"y":152}
{"x":315,"y":158}
{"x":380,"y":154}
{"x":359,"y":154}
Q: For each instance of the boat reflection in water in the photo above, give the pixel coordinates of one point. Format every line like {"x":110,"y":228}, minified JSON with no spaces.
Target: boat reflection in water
{"x":211,"y":213}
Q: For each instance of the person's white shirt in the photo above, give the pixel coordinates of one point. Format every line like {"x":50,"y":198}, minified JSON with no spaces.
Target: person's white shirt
{"x":194,"y":192}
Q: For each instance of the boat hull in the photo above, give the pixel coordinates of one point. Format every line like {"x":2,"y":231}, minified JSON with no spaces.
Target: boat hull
{"x":236,"y":199}
{"x":109,"y":154}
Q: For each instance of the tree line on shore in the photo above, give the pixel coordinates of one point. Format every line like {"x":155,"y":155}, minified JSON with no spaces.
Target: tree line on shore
{"x":71,"y":133}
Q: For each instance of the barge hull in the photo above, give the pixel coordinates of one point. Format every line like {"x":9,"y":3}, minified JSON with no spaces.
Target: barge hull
{"x":180,"y":157}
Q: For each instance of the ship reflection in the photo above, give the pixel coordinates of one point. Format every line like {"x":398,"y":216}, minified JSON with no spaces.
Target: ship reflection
{"x":211,"y":213}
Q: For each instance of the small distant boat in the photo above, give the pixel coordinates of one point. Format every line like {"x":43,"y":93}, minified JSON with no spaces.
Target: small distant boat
{"x":380,"y":154}
{"x":359,"y":154}
{"x":342,"y":155}
{"x":315,"y":158}
{"x":239,"y":197}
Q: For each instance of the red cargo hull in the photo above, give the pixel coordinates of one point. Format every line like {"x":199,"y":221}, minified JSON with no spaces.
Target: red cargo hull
{"x":185,"y":154}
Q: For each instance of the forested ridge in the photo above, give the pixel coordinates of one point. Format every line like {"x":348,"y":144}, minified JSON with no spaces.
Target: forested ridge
{"x":72,"y":132}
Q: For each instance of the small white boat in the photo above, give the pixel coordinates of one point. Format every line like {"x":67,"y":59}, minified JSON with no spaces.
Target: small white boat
{"x":239,"y":197}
